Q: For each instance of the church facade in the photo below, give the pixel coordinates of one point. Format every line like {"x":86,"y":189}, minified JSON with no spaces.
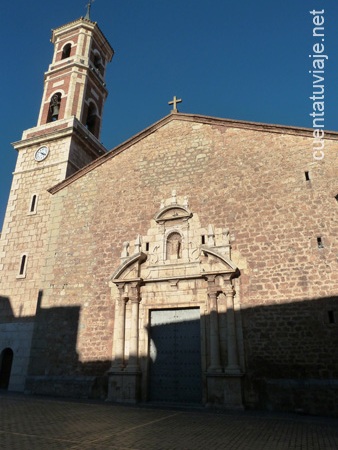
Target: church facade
{"x":195,"y":263}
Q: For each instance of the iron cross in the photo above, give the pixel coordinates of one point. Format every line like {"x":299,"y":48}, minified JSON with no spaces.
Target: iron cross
{"x":89,"y":5}
{"x":174,"y":102}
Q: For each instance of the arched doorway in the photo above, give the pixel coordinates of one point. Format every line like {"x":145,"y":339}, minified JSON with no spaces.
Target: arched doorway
{"x":6,"y":360}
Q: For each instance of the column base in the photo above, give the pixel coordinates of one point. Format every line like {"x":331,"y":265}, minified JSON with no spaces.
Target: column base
{"x":215,"y":370}
{"x":233,"y":371}
{"x":225,"y":391}
{"x":124,"y":387}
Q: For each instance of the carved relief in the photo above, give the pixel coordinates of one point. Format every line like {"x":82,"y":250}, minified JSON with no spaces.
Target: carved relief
{"x":177,"y":265}
{"x":174,"y":245}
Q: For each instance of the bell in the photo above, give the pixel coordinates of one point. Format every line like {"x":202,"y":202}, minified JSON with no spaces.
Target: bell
{"x":55,"y":111}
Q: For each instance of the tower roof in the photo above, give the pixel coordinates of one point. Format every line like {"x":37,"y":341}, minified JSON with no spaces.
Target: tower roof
{"x":87,"y":23}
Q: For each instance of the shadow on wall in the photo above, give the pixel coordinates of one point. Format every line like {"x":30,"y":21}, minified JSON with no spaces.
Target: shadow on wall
{"x":290,"y":356}
{"x":7,"y":321}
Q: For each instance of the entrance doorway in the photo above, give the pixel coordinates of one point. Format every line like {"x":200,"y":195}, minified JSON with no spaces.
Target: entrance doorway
{"x":175,"y":356}
{"x":6,"y":359}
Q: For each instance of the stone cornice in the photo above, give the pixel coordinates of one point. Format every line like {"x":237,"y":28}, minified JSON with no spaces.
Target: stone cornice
{"x":60,"y":129}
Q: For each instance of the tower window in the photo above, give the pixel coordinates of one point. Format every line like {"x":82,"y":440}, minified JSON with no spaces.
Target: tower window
{"x":66,"y":51}
{"x":54,"y":107}
{"x":23,"y":266}
{"x":98,"y":63}
{"x":33,"y":205}
{"x":92,"y":120}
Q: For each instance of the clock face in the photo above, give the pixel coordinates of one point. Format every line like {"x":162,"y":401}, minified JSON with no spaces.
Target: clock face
{"x":41,"y":153}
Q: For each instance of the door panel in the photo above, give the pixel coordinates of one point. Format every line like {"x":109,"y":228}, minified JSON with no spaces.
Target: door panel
{"x":175,"y":356}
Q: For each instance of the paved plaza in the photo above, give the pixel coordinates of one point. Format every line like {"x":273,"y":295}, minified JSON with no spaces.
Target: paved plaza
{"x":28,"y":423}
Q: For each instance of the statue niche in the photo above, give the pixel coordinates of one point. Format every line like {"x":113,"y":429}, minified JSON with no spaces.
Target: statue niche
{"x":174,"y":246}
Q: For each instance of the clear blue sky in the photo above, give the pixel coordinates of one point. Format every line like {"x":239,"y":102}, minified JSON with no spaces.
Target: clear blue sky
{"x":239,"y":59}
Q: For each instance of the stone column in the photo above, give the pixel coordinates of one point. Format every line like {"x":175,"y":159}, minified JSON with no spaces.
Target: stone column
{"x":119,"y":330}
{"x":215,"y":361}
{"x":134,"y":298}
{"x":233,"y":365}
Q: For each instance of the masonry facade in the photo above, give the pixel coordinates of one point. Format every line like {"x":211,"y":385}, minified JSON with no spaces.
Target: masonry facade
{"x":195,"y":263}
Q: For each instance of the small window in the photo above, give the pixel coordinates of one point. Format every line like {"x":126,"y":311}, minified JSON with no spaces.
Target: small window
{"x":203,"y":239}
{"x":320,"y":242}
{"x":23,"y":266}
{"x":307,"y":176}
{"x":33,"y":205}
{"x":336,"y":197}
{"x":66,"y":51}
{"x":147,"y":246}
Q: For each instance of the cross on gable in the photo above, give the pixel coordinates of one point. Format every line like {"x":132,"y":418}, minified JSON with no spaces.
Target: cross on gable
{"x":174,"y":102}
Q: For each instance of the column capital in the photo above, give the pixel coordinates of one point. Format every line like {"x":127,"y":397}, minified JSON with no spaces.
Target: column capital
{"x":134,"y":289}
{"x":212,"y":293}
{"x":211,"y":278}
{"x":121,"y":288}
{"x":213,"y":287}
{"x":229,"y":290}
{"x":134,"y":299}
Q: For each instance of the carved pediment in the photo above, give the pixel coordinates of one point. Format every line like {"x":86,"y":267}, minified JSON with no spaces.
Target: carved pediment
{"x":176,"y":247}
{"x":213,"y":262}
{"x":130,"y":269}
{"x":175,"y":213}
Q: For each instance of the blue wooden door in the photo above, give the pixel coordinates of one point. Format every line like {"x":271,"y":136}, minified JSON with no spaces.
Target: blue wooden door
{"x":175,"y":356}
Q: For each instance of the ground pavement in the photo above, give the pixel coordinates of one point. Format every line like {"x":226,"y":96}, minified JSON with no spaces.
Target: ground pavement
{"x":34,"y":423}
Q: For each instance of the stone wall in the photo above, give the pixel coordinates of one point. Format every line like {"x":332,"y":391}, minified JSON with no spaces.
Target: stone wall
{"x":248,"y":178}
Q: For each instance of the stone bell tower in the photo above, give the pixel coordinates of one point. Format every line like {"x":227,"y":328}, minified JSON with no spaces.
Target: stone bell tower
{"x":65,"y":139}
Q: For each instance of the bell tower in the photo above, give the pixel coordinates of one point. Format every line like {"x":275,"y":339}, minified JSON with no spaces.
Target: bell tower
{"x":65,"y":139}
{"x":74,"y":83}
{"x":70,"y":117}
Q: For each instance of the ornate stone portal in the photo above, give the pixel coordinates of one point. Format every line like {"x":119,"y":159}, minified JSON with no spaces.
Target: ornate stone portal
{"x":177,"y":265}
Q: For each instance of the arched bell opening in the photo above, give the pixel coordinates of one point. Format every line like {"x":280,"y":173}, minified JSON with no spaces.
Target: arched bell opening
{"x":92,"y":120}
{"x":66,"y":51}
{"x":54,"y":107}
{"x":97,"y":62}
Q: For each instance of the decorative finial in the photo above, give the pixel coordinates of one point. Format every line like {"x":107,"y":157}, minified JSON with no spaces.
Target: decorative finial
{"x":138,"y":244}
{"x":211,"y":236}
{"x":89,"y":5}
{"x":125,"y":249}
{"x":174,"y":102}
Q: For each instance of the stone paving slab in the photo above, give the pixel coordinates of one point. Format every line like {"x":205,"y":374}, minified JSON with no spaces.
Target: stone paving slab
{"x":34,"y":423}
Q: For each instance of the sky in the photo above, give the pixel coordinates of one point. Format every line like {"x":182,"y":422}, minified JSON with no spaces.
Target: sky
{"x":237,"y":59}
